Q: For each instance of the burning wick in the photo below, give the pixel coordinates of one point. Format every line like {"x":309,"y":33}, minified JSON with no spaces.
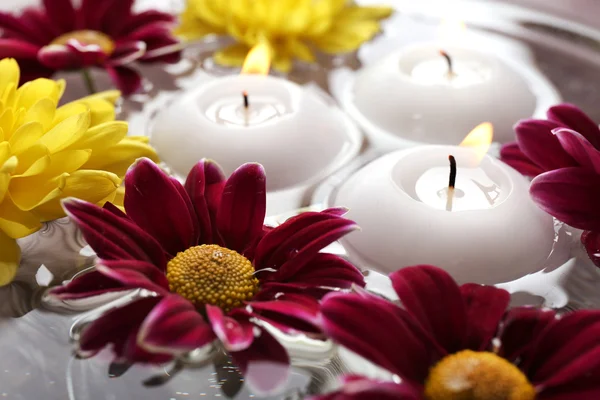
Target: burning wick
{"x":451,"y":73}
{"x":246,"y":107}
{"x":451,"y":183}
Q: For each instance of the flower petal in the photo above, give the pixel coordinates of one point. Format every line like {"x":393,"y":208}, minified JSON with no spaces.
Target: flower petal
{"x":19,"y":29}
{"x":290,"y":313}
{"x":571,"y":195}
{"x":10,"y":256}
{"x":113,"y":237}
{"x":537,"y":142}
{"x":135,"y":274}
{"x":591,"y":242}
{"x":90,"y":284}
{"x":126,"y":79}
{"x":579,"y":148}
{"x":128,"y":52}
{"x":156,"y":205}
{"x":144,"y":18}
{"x":521,"y":329}
{"x":120,"y":327}
{"x":513,"y":156}
{"x":361,"y":388}
{"x":265,"y":364}
{"x":572,"y":117}
{"x":204,"y":185}
{"x":432,"y":297}
{"x":15,"y":48}
{"x":62,"y":13}
{"x":236,"y":335}
{"x":485,"y":307}
{"x":381,"y":332}
{"x":241,"y":214}
{"x":174,"y":326}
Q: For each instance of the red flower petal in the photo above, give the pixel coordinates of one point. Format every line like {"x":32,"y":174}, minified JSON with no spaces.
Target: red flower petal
{"x":521,"y":329}
{"x":119,"y":327}
{"x":62,"y":13}
{"x":88,"y":54}
{"x":156,"y":205}
{"x":59,"y":57}
{"x":204,"y":185}
{"x":236,"y":335}
{"x":14,"y":48}
{"x":15,"y":28}
{"x":572,"y":117}
{"x":113,"y":237}
{"x":37,"y":20}
{"x":381,"y":332}
{"x":165,"y":49}
{"x":151,"y":32}
{"x":110,"y":207}
{"x":265,"y":364}
{"x":591,"y":241}
{"x":126,"y":53}
{"x":537,"y":142}
{"x":579,"y":148}
{"x":291,"y":313}
{"x":485,"y":307}
{"x":361,"y":388}
{"x":328,"y":270}
{"x":174,"y":326}
{"x":149,"y":17}
{"x":572,"y":195}
{"x":135,"y":274}
{"x":126,"y":79}
{"x":116,"y":16}
{"x":87,"y":285}
{"x":432,"y":297}
{"x":241,"y":215}
{"x":513,"y":156}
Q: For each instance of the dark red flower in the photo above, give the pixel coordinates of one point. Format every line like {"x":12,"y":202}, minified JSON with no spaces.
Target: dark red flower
{"x":211,"y":269}
{"x":98,"y":33}
{"x":537,"y":149}
{"x":451,"y":342}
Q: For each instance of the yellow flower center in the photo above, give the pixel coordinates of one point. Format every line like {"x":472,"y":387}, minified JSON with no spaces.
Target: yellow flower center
{"x":211,"y":274}
{"x":474,"y":375}
{"x":88,"y":37}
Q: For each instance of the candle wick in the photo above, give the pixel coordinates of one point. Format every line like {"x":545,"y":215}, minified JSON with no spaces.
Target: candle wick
{"x":451,"y":73}
{"x":246,"y":107}
{"x":451,"y":183}
{"x":246,"y":101}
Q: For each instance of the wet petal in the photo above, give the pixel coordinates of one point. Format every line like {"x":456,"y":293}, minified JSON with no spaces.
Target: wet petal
{"x":174,"y":326}
{"x":153,"y":201}
{"x":537,"y":142}
{"x":236,"y":335}
{"x":265,"y":364}
{"x":432,"y":297}
{"x":571,"y":195}
{"x":572,"y":117}
{"x":241,"y":214}
{"x":579,"y":148}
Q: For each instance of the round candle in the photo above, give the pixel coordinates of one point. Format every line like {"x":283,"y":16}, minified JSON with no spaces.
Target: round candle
{"x":421,"y":94}
{"x":298,"y":135}
{"x":494,"y":232}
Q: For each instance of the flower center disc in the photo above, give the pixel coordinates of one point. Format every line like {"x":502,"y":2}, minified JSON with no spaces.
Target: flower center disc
{"x":473,"y":375}
{"x":88,"y":37}
{"x":211,"y":274}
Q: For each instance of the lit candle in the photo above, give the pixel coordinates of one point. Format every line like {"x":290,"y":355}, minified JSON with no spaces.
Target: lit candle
{"x":299,"y":135}
{"x":432,"y":93}
{"x":490,"y":231}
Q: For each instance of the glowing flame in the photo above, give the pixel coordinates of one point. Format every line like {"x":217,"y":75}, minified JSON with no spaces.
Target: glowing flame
{"x":479,"y":139}
{"x":452,"y":30}
{"x":258,"y":60}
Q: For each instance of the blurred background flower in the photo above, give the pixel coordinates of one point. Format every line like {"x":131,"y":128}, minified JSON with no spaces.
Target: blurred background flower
{"x":292,"y":28}
{"x":48,"y":153}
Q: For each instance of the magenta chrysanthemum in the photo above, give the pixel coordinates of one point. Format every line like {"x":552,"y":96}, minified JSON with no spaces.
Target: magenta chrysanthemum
{"x":449,"y":342}
{"x":99,"y":33}
{"x":215,"y":271}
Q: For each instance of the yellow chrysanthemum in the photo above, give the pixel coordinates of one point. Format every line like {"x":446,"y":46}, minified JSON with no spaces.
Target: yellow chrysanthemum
{"x":291,"y":27}
{"x":48,"y":153}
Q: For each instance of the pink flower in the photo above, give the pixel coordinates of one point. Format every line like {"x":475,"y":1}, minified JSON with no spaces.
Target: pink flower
{"x":538,"y":150}
{"x":461,"y":342}
{"x":214,"y":270}
{"x":100,"y":33}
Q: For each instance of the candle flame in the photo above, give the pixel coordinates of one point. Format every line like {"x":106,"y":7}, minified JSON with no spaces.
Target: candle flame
{"x":258,"y":60}
{"x":452,"y":30}
{"x":479,"y":139}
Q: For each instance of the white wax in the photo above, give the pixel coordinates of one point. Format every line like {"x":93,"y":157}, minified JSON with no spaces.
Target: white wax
{"x":297,"y":134}
{"x":409,"y":97}
{"x":494,"y":233}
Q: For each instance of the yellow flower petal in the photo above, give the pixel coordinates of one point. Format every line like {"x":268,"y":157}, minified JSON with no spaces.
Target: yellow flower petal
{"x":97,"y":187}
{"x":10,"y":255}
{"x":102,"y":136}
{"x":346,"y":38}
{"x":29,"y":192}
{"x":31,"y":92}
{"x":66,"y":132}
{"x":119,"y":197}
{"x":5,"y":152}
{"x":6,"y":123}
{"x":232,"y":56}
{"x":41,"y":112}
{"x":33,"y":161}
{"x":10,"y":165}
{"x":109,"y":95}
{"x":26,"y":136}
{"x":4,"y":181}
{"x":69,"y":110}
{"x":119,"y":158}
{"x":17,"y":223}
{"x":9,"y":72}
